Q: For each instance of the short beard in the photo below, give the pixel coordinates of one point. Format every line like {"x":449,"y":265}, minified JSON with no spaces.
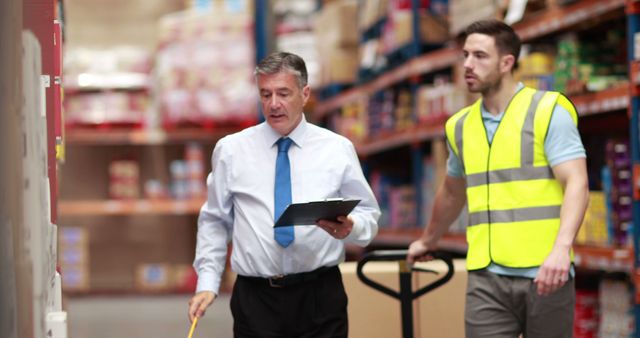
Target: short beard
{"x":491,"y":88}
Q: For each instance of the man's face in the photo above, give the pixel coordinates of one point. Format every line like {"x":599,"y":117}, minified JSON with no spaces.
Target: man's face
{"x":282,"y":100}
{"x":484,"y":67}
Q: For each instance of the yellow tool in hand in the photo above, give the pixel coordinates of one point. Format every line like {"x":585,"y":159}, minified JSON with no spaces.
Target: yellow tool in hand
{"x":193,"y":327}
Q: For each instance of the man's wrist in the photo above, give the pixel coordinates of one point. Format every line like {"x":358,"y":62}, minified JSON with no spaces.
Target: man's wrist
{"x":428,"y":239}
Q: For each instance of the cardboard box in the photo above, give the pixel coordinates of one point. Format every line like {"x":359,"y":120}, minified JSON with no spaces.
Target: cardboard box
{"x":440,"y":313}
{"x":69,"y":236}
{"x":73,"y":258}
{"x":75,"y":277}
{"x":464,"y":12}
{"x":73,"y":255}
{"x":433,"y":30}
{"x":370,"y":12}
{"x":335,"y":24}
{"x":339,"y":65}
{"x":437,"y":314}
{"x":153,"y":277}
{"x":371,"y":313}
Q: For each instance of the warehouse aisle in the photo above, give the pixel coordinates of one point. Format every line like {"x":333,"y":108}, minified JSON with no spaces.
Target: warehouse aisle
{"x":144,"y":316}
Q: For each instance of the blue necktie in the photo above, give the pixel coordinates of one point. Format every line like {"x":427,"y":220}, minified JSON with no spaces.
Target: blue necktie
{"x":282,"y":192}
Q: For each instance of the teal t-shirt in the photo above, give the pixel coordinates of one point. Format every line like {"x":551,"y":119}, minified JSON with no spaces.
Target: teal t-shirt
{"x":562,"y":144}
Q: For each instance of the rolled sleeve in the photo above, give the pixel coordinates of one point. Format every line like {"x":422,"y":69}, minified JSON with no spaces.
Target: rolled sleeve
{"x":454,"y":165}
{"x":563,"y":141}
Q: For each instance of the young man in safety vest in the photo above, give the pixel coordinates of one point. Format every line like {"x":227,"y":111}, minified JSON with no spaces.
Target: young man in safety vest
{"x":516,"y":159}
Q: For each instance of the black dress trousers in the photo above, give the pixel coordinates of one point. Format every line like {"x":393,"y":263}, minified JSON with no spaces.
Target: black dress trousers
{"x":309,"y":308}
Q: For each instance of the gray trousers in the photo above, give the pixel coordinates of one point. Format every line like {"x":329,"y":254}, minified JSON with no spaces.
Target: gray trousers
{"x":505,"y":307}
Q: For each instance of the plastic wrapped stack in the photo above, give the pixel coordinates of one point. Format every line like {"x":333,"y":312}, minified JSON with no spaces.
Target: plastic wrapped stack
{"x":205,"y":64}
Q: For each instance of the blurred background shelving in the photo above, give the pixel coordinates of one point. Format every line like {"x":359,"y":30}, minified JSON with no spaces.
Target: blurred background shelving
{"x":394,"y":111}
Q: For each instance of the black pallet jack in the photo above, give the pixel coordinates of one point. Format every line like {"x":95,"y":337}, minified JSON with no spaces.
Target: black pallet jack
{"x":406,"y":295}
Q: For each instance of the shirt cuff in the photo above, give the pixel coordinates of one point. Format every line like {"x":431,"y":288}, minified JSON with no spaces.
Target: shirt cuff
{"x":208,"y":281}
{"x":356,"y":231}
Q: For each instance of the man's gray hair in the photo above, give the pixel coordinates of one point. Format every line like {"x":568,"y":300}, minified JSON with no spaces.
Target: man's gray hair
{"x":284,"y":62}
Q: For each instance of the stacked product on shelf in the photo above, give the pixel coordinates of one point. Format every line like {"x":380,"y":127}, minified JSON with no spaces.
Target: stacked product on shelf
{"x":381,"y":119}
{"x":165,"y":277}
{"x":580,"y":66}
{"x":402,"y":207}
{"x":188,"y":174}
{"x":381,"y":186}
{"x":434,"y":170}
{"x":204,"y":66}
{"x":618,"y":186}
{"x":436,"y":102}
{"x":73,"y":258}
{"x":536,"y":70}
{"x":124,"y":179}
{"x":352,"y":122}
{"x":336,"y":36}
{"x":371,"y":16}
{"x":593,"y":230}
{"x":403,"y":110}
{"x":397,"y":30}
{"x":617,"y":318}
{"x":460,"y":16}
{"x":586,"y":315}
{"x":294,"y":33}
{"x":107,"y":88}
{"x":388,"y":38}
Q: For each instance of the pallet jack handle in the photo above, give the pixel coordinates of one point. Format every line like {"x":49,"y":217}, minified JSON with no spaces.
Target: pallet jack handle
{"x":406,"y":295}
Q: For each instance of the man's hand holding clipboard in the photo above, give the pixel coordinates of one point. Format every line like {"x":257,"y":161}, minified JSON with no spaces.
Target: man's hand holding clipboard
{"x":330,"y":215}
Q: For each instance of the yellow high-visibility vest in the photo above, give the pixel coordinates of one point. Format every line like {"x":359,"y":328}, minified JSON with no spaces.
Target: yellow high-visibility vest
{"x":513,"y":198}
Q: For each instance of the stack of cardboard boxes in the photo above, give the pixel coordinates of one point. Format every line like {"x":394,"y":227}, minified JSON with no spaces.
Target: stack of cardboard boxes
{"x":337,"y":38}
{"x":73,"y":258}
{"x":439,"y":313}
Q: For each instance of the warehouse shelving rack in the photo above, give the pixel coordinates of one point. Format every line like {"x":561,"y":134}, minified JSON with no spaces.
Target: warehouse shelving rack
{"x":155,"y":143}
{"x":549,"y":22}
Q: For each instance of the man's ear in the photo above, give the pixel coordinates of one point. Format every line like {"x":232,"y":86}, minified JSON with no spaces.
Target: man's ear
{"x":306,"y":93}
{"x":507,"y":62}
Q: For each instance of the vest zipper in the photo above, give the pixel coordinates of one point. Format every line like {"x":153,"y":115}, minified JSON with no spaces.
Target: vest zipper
{"x":489,"y":162}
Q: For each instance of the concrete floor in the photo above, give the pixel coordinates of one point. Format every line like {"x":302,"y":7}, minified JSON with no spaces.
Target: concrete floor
{"x":144,"y":316}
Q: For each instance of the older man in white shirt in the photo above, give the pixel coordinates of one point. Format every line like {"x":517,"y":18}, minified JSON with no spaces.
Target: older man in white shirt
{"x":288,"y":283}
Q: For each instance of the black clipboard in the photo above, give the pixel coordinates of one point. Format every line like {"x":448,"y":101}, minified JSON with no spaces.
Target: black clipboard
{"x":309,"y":213}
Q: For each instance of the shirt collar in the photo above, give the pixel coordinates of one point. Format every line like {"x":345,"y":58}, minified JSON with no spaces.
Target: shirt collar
{"x":297,"y":135}
{"x":486,"y":115}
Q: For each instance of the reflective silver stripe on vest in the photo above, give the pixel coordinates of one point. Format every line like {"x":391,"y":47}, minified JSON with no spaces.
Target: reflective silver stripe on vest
{"x":458,"y":131}
{"x":527,"y":140}
{"x":514,"y":215}
{"x":510,"y":175}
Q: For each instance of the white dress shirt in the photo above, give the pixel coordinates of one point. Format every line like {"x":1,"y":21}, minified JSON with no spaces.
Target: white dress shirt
{"x":240,"y":203}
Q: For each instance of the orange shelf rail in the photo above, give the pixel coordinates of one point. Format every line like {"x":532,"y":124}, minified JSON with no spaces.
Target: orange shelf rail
{"x":426,"y":63}
{"x":612,"y":99}
{"x":604,"y":258}
{"x":558,"y":18}
{"x":398,"y":139}
{"x":128,"y":208}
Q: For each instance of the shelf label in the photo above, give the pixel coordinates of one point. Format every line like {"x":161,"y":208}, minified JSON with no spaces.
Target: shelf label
{"x":143,"y":206}
{"x":113,"y":206}
{"x":620,"y":254}
{"x":180,"y":207}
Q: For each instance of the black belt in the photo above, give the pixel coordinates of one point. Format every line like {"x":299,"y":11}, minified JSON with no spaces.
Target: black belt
{"x":289,"y":280}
